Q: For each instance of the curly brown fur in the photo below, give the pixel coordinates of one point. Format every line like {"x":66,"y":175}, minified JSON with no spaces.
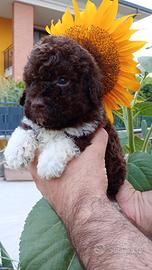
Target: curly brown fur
{"x":64,"y":89}
{"x":115,"y":163}
{"x":61,"y":105}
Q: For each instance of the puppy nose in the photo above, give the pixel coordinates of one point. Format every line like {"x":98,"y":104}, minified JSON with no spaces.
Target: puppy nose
{"x":37,"y":104}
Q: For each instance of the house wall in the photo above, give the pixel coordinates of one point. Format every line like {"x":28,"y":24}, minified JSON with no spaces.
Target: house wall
{"x":23,"y":24}
{"x":5,"y":39}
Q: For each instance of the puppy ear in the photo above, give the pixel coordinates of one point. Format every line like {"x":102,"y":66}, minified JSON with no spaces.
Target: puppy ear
{"x":22,"y":98}
{"x":93,"y":87}
{"x":95,"y":91}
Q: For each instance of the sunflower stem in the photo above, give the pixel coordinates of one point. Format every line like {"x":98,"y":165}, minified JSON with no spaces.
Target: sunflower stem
{"x":146,"y":140}
{"x":125,"y":117}
{"x":130,"y":130}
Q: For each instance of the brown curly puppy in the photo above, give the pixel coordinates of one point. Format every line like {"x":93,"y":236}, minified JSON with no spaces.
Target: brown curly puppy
{"x":64,"y":89}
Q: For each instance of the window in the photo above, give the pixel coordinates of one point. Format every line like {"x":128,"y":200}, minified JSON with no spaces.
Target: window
{"x":8,"y":55}
{"x":38,"y":34}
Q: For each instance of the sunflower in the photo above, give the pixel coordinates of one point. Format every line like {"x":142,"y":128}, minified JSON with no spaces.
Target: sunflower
{"x":108,"y":40}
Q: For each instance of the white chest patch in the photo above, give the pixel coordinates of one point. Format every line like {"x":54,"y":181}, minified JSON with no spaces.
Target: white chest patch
{"x":55,"y":147}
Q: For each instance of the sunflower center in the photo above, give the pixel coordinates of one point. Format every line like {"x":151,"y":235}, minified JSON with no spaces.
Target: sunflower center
{"x":101,"y":45}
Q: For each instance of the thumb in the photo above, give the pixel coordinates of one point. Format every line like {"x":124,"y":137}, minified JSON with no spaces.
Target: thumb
{"x":99,"y":142}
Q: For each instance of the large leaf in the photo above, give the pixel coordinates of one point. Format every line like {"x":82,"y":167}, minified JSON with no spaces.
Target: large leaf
{"x":5,"y":260}
{"x":140,"y":171}
{"x":44,"y":243}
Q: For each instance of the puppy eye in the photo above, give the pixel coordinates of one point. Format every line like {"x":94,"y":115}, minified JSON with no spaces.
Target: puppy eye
{"x":62,"y":81}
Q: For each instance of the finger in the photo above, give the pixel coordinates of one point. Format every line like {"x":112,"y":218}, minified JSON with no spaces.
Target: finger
{"x":125,"y":192}
{"x":33,"y":168}
{"x":34,"y":162}
{"x":100,"y":140}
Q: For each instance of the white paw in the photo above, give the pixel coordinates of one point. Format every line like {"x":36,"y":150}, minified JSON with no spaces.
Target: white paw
{"x":20,"y":149}
{"x":54,"y":158}
{"x":20,"y":157}
{"x":16,"y":159}
{"x":50,"y":169}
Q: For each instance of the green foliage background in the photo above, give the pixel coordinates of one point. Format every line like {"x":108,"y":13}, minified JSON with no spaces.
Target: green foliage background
{"x":10,"y":90}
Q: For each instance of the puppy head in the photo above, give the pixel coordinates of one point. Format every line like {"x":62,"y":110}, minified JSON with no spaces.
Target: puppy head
{"x":63,"y":84}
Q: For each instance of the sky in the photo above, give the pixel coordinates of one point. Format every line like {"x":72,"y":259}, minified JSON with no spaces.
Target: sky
{"x":144,"y":3}
{"x":145,"y":33}
{"x":145,"y":27}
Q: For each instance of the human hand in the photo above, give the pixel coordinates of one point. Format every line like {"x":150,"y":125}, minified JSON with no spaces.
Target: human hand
{"x":137,"y":206}
{"x":77,"y":180}
{"x":90,"y":180}
{"x":96,"y":229}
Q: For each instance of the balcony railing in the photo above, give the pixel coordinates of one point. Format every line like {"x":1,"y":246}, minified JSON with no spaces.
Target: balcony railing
{"x":8,"y":61}
{"x":8,"y":57}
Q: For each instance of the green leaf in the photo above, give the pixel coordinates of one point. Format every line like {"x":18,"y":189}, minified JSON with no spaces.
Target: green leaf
{"x":125,"y":149}
{"x":138,"y":143}
{"x":123,"y":137}
{"x":147,"y":80}
{"x":144,"y":127}
{"x":44,"y":243}
{"x":144,"y":108}
{"x":10,"y":90}
{"x":5,"y":260}
{"x":140,"y":171}
{"x":124,"y":142}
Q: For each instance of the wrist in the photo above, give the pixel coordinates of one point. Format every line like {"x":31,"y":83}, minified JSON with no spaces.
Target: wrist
{"x":64,"y":201}
{"x":80,"y":205}
{"x":103,"y":236}
{"x":84,"y":206}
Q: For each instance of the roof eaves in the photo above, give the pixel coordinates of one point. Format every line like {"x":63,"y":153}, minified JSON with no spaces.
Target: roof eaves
{"x":132,"y":5}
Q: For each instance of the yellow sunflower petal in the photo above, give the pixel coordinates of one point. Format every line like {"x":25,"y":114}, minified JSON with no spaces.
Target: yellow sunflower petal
{"x":125,"y":38}
{"x":108,"y":110}
{"x":132,"y":46}
{"x":113,"y":101}
{"x":127,"y":83}
{"x":53,"y":29}
{"x":103,"y":7}
{"x":59,"y":28}
{"x":119,"y":99}
{"x":130,"y":69}
{"x":76,"y":11}
{"x":120,"y":22}
{"x":87,"y":16}
{"x":122,"y":30}
{"x":109,"y":16}
{"x":128,"y":61}
{"x":123,"y":95}
{"x":105,"y":4}
{"x":67,"y":18}
{"x":126,"y":76}
{"x":48,"y":29}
